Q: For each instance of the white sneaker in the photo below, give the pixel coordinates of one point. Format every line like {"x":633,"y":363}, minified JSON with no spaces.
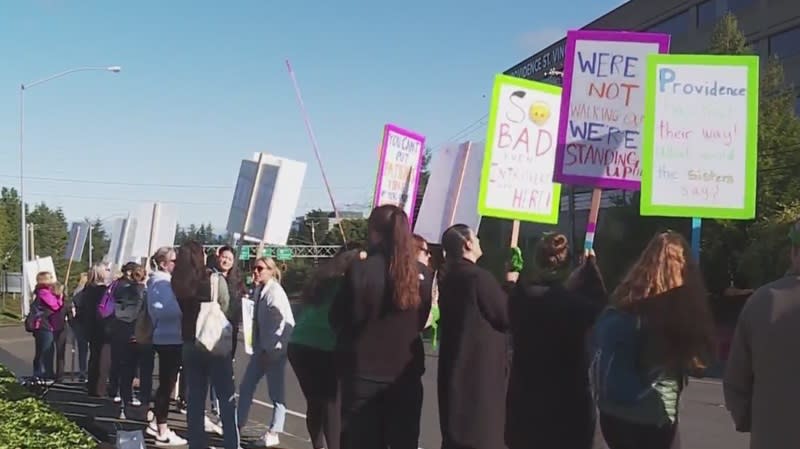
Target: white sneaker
{"x":152,"y":429}
{"x":269,"y":439}
{"x":211,"y":426}
{"x":117,"y":399}
{"x":135,"y":402}
{"x":170,"y":439}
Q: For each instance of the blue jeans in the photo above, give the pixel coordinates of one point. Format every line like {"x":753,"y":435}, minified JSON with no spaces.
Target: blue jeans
{"x":276,"y":386}
{"x":45,"y":352}
{"x":200,"y":367}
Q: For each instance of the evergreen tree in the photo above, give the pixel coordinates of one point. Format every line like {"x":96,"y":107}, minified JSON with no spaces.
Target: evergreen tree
{"x":739,"y":251}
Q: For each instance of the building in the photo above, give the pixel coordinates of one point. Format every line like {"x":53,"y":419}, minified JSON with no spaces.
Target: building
{"x":772,"y":28}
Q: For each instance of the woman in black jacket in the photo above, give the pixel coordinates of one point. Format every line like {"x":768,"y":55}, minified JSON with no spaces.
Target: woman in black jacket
{"x":549,"y":400}
{"x":128,"y":300}
{"x":96,"y":331}
{"x":473,"y":353}
{"x":378,"y":315}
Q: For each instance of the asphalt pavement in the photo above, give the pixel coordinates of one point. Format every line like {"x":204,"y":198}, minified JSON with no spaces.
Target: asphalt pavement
{"x":705,"y":424}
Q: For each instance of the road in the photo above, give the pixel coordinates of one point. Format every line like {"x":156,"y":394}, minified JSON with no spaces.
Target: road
{"x":704,"y":422}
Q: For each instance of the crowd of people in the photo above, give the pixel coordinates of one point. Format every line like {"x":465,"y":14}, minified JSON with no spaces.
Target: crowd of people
{"x":524,"y":363}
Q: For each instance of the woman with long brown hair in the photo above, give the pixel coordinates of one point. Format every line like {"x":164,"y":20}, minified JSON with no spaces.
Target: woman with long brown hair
{"x":378,"y":315}
{"x":191,"y":283}
{"x":657,"y":331}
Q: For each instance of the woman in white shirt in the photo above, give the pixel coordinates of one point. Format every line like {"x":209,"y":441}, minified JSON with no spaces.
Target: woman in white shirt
{"x":273,"y":323}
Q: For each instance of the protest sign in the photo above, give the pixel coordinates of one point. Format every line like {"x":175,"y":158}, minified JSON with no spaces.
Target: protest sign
{"x":599,"y":134}
{"x":402,"y":154}
{"x":517,"y":176}
{"x":452,"y":190}
{"x":700,"y":145}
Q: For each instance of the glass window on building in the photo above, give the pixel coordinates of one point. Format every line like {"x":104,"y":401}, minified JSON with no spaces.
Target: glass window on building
{"x":706,"y":14}
{"x":675,"y":25}
{"x":737,"y":5}
{"x":785,"y":44}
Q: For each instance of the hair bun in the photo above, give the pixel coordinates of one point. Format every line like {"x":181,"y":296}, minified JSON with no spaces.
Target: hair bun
{"x":552,"y":251}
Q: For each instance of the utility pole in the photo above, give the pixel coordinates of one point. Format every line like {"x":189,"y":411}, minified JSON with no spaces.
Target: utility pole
{"x":313,"y":226}
{"x":31,"y":242}
{"x":89,"y":238}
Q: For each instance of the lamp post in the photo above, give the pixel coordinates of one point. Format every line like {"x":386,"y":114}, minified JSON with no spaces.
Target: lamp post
{"x":23,"y":218}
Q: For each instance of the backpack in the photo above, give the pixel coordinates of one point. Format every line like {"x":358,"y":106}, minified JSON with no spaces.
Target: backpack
{"x":616,"y":373}
{"x":106,"y":305}
{"x":33,"y":321}
{"x":143,"y":329}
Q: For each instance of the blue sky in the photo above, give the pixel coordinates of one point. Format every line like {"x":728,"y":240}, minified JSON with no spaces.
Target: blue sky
{"x":204,"y":85}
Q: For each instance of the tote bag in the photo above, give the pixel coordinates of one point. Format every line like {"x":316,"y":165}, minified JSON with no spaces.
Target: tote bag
{"x":214,"y":333}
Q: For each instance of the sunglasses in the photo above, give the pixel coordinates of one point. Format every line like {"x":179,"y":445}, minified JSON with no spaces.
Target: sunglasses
{"x":426,"y":251}
{"x":260,"y":268}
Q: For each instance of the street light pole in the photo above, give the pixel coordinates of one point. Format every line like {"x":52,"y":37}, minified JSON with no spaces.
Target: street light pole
{"x":23,"y":219}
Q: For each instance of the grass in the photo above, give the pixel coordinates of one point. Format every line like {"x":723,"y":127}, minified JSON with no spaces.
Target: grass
{"x":10,"y":310}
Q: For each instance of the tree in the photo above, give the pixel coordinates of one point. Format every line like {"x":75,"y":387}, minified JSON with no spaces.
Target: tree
{"x":731,"y":247}
{"x":354,"y":229}
{"x":203,"y":234}
{"x":100,"y":242}
{"x":10,"y":252}
{"x":50,"y":237}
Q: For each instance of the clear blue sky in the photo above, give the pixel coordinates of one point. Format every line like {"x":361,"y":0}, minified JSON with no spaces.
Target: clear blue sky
{"x":204,"y":85}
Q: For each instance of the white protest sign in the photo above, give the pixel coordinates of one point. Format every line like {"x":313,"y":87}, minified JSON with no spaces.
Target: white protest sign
{"x":517,"y":176}
{"x":701,"y":136}
{"x":452,"y":190}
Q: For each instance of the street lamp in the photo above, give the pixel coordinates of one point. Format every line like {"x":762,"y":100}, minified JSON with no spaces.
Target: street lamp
{"x":23,"y":219}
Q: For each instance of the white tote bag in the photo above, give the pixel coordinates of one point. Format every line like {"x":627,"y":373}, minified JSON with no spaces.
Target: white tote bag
{"x":214,"y":332}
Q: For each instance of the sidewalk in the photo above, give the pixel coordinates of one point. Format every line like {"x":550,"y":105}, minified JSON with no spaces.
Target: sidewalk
{"x":100,"y":417}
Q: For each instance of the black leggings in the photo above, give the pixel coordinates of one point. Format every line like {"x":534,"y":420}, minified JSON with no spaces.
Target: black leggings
{"x":622,"y":434}
{"x":124,"y":357}
{"x":169,"y":361}
{"x":381,"y":414}
{"x":316,"y":374}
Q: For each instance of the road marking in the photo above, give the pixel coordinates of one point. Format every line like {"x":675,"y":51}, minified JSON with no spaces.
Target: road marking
{"x":15,"y":340}
{"x":288,"y":412}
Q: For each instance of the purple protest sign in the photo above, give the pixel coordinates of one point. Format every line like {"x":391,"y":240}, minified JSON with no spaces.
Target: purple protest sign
{"x":402,"y":153}
{"x":602,"y":106}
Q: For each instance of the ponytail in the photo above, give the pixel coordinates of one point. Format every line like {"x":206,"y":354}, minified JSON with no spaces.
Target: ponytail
{"x":402,"y":262}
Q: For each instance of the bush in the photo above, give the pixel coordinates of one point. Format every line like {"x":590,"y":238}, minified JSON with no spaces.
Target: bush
{"x":28,"y":423}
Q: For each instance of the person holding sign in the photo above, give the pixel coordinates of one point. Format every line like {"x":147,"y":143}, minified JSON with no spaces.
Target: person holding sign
{"x":378,"y":315}
{"x":473,"y":354}
{"x":656,"y":333}
{"x":549,"y":401}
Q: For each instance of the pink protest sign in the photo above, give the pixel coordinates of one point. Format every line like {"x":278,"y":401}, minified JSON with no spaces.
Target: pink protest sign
{"x":602,"y":108}
{"x":402,"y":153}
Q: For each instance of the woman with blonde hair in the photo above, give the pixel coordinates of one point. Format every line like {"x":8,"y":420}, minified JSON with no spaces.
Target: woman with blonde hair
{"x":273,"y":323}
{"x":656,"y":333}
{"x":97,"y":331}
{"x":46,"y":321}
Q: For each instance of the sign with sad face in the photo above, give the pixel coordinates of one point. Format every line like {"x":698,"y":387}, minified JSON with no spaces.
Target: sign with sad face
{"x":516,"y":181}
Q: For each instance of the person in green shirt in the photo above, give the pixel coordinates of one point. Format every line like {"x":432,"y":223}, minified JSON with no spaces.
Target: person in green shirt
{"x":311,"y":350}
